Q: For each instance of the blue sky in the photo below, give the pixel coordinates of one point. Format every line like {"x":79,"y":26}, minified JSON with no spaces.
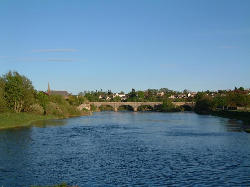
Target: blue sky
{"x":122,"y":44}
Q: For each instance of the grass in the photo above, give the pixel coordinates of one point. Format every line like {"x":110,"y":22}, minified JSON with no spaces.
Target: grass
{"x":12,"y":120}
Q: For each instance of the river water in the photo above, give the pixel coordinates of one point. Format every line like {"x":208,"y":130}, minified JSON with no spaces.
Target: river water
{"x":127,"y":149}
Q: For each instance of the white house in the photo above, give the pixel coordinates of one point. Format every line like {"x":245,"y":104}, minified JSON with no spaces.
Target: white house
{"x":119,"y":95}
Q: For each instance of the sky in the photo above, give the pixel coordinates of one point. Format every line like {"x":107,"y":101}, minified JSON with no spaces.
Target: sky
{"x":123,"y":44}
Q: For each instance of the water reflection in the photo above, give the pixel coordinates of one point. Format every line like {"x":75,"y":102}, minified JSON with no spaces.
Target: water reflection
{"x":47,"y":123}
{"x":234,"y":125}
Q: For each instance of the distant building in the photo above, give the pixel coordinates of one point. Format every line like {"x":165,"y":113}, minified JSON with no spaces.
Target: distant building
{"x":172,"y":97}
{"x":119,"y":95}
{"x":160,"y":94}
{"x":65,"y":94}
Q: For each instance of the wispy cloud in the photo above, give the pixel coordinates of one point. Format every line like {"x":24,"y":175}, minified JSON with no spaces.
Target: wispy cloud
{"x":59,"y":60}
{"x":53,"y":50}
{"x":228,"y":47}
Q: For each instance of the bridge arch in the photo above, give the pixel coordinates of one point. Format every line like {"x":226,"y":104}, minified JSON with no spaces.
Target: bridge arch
{"x":187,"y":107}
{"x":106,"y":107}
{"x":125,"y":107}
{"x":145,"y":107}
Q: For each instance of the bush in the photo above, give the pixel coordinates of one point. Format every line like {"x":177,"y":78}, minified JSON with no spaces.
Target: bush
{"x":168,"y":106}
{"x":36,"y":109}
{"x":204,"y":105}
{"x":54,"y":109}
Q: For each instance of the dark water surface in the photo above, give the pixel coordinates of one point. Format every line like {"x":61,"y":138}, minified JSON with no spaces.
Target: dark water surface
{"x":127,"y":149}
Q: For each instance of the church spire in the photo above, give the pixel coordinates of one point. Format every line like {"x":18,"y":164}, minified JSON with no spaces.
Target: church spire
{"x":48,"y":89}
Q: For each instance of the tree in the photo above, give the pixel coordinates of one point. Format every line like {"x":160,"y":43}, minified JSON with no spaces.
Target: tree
{"x":167,"y":106}
{"x":220,"y":101}
{"x":3,"y":105}
{"x":132,"y":96}
{"x":42,"y":99}
{"x":140,"y":96}
{"x":18,"y":91}
{"x":204,"y":104}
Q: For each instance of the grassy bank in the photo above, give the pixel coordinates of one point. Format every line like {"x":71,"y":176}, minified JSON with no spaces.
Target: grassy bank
{"x":12,"y":120}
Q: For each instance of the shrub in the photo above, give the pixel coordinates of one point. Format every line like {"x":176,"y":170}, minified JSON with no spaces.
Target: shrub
{"x":54,"y":109}
{"x":36,"y":109}
{"x":168,"y":106}
{"x":204,"y":104}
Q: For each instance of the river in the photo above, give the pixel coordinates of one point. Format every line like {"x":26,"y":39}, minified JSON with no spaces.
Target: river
{"x":127,"y":149}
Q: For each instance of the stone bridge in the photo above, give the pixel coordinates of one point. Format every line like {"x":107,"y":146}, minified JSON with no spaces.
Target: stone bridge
{"x":134,"y":105}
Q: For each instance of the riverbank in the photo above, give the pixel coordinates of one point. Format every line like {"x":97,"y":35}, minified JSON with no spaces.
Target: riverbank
{"x":244,"y":116}
{"x":16,"y":120}
{"x":240,"y":115}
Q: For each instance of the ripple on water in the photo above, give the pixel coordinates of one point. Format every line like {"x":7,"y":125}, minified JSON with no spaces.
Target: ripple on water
{"x":115,"y":149}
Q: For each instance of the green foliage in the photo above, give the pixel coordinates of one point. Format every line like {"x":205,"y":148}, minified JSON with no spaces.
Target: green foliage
{"x":3,"y":104}
{"x":76,"y":100}
{"x":220,"y":101}
{"x":93,"y":108}
{"x":18,"y":91}
{"x":42,"y":99}
{"x":106,"y":108}
{"x":237,"y":99}
{"x":36,"y":109}
{"x":204,"y":104}
{"x":168,"y":106}
{"x":116,"y":99}
{"x":62,"y":109}
{"x":10,"y":120}
{"x":145,"y":108}
{"x":132,"y":96}
{"x":54,"y":109}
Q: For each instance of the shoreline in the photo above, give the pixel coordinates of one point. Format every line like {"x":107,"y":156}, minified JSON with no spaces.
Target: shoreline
{"x":21,"y":123}
{"x":242,"y":115}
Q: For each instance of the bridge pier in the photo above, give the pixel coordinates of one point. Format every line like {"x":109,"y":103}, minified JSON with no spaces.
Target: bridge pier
{"x":135,"y":109}
{"x":115,"y":109}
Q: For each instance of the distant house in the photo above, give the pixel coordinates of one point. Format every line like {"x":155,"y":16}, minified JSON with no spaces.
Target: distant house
{"x":119,"y":95}
{"x":172,"y":97}
{"x":160,"y":94}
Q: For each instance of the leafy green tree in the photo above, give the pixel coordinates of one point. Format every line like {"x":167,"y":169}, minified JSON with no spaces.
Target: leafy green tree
{"x":18,"y":91}
{"x":116,"y":99}
{"x":204,"y":104}
{"x":3,"y":105}
{"x":132,"y":96}
{"x":236,"y":98}
{"x":140,"y":96}
{"x":241,"y":89}
{"x":43,"y":99}
{"x":220,"y":101}
{"x":167,"y":106}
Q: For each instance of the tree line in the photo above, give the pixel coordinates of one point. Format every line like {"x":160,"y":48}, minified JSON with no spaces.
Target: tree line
{"x":17,"y":94}
{"x":223,"y":100}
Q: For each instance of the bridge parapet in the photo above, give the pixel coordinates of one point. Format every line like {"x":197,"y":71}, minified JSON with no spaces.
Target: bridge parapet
{"x":134,"y":105}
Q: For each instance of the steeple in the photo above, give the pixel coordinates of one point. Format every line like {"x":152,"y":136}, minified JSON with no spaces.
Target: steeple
{"x":48,"y":89}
